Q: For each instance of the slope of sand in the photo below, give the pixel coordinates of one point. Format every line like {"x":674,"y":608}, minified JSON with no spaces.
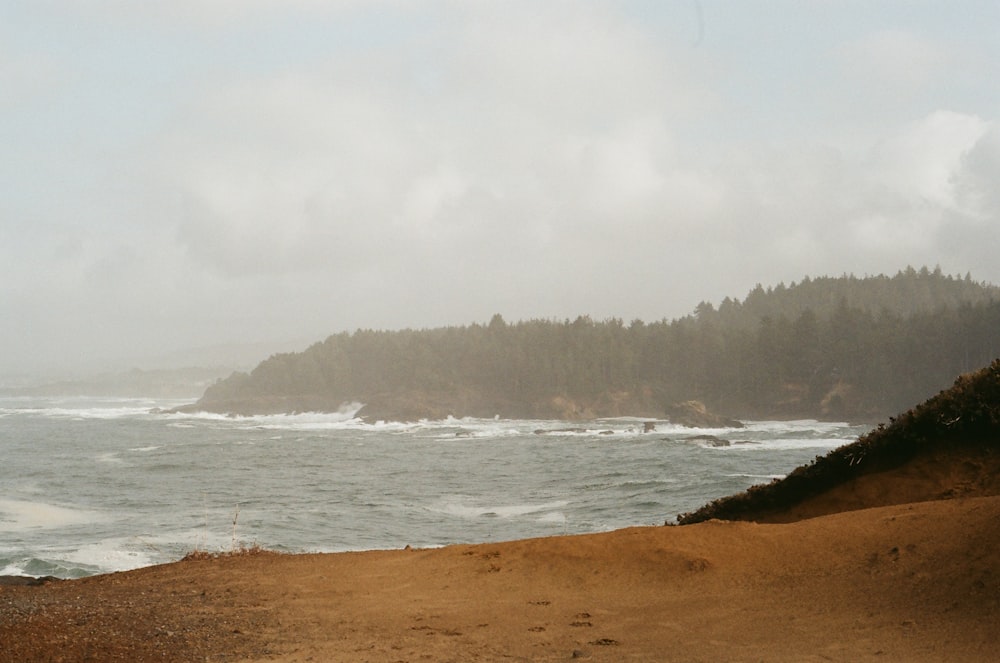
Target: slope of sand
{"x":935,"y":475}
{"x":946,"y":447}
{"x":913,"y":582}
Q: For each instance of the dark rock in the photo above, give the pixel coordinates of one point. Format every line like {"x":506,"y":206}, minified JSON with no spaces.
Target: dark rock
{"x":710,"y":440}
{"x":694,"y":414}
{"x":25,"y":581}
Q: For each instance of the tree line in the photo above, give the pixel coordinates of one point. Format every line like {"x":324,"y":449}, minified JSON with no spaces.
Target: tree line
{"x":825,"y":347}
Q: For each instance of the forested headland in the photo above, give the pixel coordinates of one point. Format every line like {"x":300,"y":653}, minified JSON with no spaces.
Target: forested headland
{"x":857,"y":348}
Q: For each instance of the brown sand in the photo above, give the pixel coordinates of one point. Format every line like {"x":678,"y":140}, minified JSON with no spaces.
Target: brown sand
{"x":911,"y":582}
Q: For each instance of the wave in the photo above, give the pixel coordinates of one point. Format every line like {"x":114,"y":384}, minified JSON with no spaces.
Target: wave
{"x":345,"y":416}
{"x":109,"y":554}
{"x":83,"y":407}
{"x":455,"y":507}
{"x":795,"y":426}
{"x":37,"y":567}
{"x":18,"y":515}
{"x":762,"y":477}
{"x":82,"y":412}
{"x":105,"y":556}
{"x":788,"y":444}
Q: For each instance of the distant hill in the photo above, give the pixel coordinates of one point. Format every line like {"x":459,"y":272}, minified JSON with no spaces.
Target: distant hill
{"x":948,"y":446}
{"x":844,"y":347}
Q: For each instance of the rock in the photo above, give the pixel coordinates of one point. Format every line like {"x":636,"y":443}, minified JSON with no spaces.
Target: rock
{"x":25,"y":580}
{"x":710,"y":440}
{"x":694,"y":414}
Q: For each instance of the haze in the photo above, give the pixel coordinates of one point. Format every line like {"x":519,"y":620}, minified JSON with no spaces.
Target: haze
{"x":181,"y":175}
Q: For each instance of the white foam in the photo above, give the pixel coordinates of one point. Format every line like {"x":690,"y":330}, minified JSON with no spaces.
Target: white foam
{"x":471,"y":430}
{"x":507,"y":511}
{"x":782,"y":444}
{"x":796,"y":425}
{"x":18,"y":515}
{"x":109,"y":555}
{"x":12,"y":570}
{"x":553,"y":517}
{"x":83,"y":407}
{"x":766,"y":477}
{"x":80,"y":413}
{"x":345,"y":416}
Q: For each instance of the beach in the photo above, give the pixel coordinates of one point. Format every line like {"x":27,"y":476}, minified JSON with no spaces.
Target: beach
{"x":908,"y":582}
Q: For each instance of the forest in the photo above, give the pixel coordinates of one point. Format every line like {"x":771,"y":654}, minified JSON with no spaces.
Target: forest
{"x":855,"y":348}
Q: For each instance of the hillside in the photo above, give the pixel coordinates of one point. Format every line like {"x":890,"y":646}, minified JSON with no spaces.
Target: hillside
{"x":844,"y":348}
{"x":948,"y":446}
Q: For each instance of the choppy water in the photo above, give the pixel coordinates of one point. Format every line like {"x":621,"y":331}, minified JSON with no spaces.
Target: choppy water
{"x":96,"y":485}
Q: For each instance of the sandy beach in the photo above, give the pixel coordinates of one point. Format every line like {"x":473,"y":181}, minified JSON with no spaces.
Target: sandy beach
{"x":910,"y":582}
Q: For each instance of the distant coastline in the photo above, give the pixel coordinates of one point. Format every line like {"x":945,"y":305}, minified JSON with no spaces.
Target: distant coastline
{"x":839,"y":349}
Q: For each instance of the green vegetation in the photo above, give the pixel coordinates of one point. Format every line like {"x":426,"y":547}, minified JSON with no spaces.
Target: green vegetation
{"x":966,"y":416}
{"x":846,"y":347}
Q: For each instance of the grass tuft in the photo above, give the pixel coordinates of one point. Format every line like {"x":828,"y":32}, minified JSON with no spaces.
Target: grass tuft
{"x":240,"y":551}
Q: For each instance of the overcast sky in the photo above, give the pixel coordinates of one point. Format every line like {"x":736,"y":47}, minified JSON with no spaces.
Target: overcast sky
{"x":184,"y":173}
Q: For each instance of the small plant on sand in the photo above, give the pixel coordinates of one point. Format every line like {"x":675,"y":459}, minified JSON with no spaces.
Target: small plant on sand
{"x":236,"y":515}
{"x":237,"y":548}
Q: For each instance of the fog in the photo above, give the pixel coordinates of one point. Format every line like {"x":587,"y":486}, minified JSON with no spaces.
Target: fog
{"x":193,"y":175}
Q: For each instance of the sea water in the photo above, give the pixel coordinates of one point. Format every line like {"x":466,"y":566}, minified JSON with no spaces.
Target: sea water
{"x":92,"y":485}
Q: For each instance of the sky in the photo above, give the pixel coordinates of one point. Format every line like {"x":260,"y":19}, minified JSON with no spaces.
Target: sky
{"x":189,"y":174}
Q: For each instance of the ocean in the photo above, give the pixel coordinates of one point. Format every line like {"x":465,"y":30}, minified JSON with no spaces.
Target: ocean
{"x":97,"y":485}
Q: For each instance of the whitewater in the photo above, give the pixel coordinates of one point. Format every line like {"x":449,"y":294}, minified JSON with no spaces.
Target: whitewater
{"x":96,"y":485}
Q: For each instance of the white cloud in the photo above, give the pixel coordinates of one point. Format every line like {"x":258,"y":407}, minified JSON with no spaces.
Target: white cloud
{"x":920,"y":160}
{"x":976,"y":177}
{"x":537,"y":129}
